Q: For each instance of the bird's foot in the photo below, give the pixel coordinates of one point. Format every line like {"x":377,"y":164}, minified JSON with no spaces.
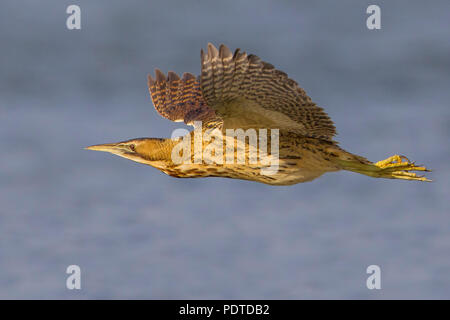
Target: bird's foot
{"x":398,"y":167}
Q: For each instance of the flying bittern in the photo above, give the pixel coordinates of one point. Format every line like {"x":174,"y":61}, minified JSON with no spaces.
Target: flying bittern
{"x":241,"y":92}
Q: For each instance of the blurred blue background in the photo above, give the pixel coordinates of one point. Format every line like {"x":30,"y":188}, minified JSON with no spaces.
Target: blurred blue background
{"x":137,"y":233}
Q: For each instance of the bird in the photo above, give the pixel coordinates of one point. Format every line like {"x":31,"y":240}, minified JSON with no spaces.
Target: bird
{"x":251,"y":122}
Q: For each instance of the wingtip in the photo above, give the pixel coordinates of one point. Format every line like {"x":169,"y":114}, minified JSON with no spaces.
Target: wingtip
{"x":172,"y":76}
{"x":224,"y":52}
{"x":236,"y":53}
{"x":160,"y":77}
{"x":212,"y":50}
{"x":202,"y":56}
{"x":150,"y":80}
{"x":187,"y":76}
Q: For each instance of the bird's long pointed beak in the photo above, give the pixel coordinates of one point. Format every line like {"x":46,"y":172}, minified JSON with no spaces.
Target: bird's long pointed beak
{"x":107,"y":147}
{"x":124,"y":149}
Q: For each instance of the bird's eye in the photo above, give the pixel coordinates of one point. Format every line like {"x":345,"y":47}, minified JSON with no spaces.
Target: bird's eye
{"x":132,"y":147}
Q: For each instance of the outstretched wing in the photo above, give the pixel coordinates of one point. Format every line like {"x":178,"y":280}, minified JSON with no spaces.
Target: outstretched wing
{"x":179,"y":100}
{"x":247,"y":92}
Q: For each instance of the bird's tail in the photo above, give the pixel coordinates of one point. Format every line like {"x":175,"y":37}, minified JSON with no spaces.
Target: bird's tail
{"x":395,"y":167}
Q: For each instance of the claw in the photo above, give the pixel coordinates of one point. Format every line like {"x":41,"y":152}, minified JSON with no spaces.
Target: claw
{"x":398,"y":166}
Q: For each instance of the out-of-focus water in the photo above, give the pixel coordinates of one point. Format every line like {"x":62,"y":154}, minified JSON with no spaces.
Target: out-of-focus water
{"x":137,"y":233}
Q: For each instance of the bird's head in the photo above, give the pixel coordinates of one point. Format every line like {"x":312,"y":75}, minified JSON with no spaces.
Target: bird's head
{"x":143,"y":150}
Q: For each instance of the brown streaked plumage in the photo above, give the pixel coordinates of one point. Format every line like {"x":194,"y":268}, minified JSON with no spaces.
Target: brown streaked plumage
{"x":179,"y":99}
{"x":240,"y":91}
